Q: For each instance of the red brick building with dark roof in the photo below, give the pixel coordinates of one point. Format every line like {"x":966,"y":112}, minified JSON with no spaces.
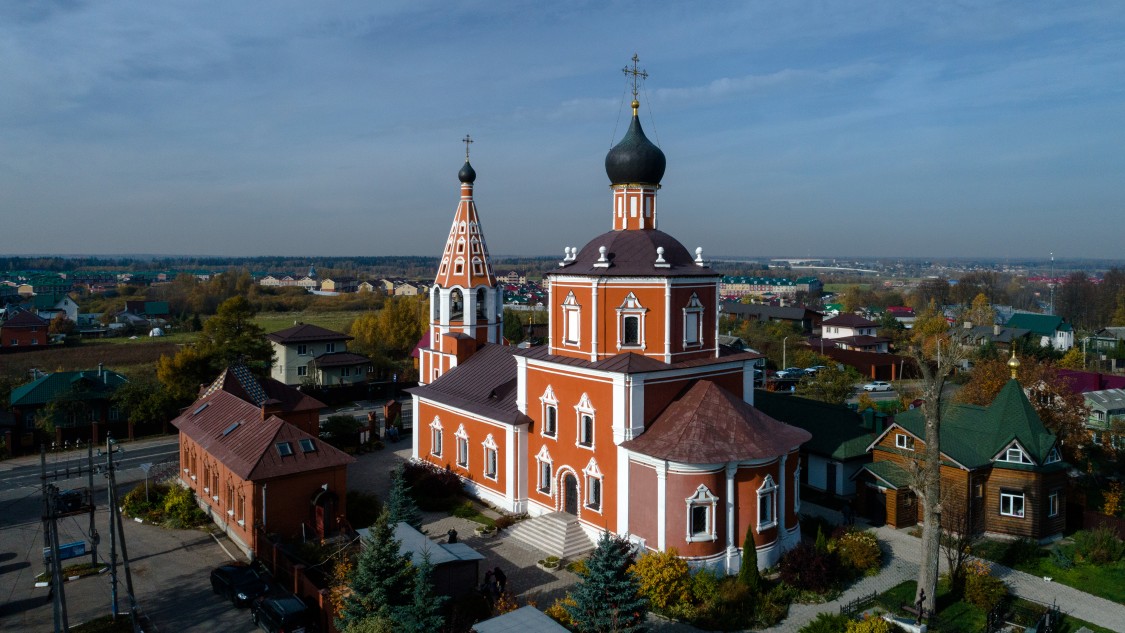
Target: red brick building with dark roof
{"x":632,"y":418}
{"x":252,"y":467}
{"x":23,"y":330}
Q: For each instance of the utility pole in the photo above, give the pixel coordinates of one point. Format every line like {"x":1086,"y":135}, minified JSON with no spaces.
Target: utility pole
{"x":111,"y":502}
{"x":116,"y":526}
{"x":57,"y":591}
{"x":94,"y":537}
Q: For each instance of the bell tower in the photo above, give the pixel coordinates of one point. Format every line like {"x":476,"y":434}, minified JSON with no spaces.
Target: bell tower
{"x":466,"y":306}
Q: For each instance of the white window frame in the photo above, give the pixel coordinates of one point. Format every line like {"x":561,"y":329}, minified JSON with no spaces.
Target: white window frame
{"x":767,"y":492}
{"x":904,"y":441}
{"x":694,"y":308}
{"x":491,"y":458}
{"x":631,"y":308}
{"x":302,"y":370}
{"x":545,"y":484}
{"x":594,"y":479}
{"x":1053,"y":504}
{"x":302,"y":349}
{"x":549,"y":403}
{"x":581,"y":410}
{"x":437,"y":434}
{"x":462,"y":447}
{"x":329,"y":348}
{"x":1009,"y":499}
{"x":1015,"y":454}
{"x":572,"y":321}
{"x":1053,"y":456}
{"x":705,"y":499}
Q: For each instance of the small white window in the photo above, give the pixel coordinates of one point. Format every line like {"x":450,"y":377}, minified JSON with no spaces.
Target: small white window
{"x":904,"y":441}
{"x":572,"y":320}
{"x":693,"y":322}
{"x":302,"y":350}
{"x":593,"y":485}
{"x":435,"y":437}
{"x":329,"y":348}
{"x":550,"y":412}
{"x":490,"y":466}
{"x":302,"y":371}
{"x":701,"y":515}
{"x":1015,"y":455}
{"x":767,"y":510}
{"x":1053,"y":456}
{"x":1011,"y":504}
{"x":462,"y":447}
{"x":545,"y":471}
{"x":630,"y":323}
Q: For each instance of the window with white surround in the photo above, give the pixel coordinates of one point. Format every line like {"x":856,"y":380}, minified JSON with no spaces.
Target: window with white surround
{"x":462,"y":447}
{"x":550,"y":406}
{"x":1053,"y":504}
{"x":1053,"y":456}
{"x":1015,"y":454}
{"x":435,"y":437}
{"x":593,"y":477}
{"x":572,"y":320}
{"x":302,"y":350}
{"x":302,"y":371}
{"x":693,"y":322}
{"x":904,"y":441}
{"x":630,"y":323}
{"x":543,"y":459}
{"x":767,"y":504}
{"x":701,"y":515}
{"x":490,"y":466}
{"x":1011,"y":504}
{"x":585,"y":413}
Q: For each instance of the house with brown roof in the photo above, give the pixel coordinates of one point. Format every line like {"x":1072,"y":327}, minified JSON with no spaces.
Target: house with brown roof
{"x":252,"y":467}
{"x":23,"y":330}
{"x":852,"y":332}
{"x":308,"y":353}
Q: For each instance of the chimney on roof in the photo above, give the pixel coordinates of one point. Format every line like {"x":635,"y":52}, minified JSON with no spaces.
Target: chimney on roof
{"x":968,"y":325}
{"x":996,"y":330}
{"x":101,"y":368}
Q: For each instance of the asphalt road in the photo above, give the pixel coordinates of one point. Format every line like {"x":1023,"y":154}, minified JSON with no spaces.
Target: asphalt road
{"x":170,"y":567}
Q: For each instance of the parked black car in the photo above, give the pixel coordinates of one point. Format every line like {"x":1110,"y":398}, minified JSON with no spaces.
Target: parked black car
{"x":282,"y":613}
{"x":240,"y":583}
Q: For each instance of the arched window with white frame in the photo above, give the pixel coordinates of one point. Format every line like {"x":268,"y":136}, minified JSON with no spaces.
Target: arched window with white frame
{"x":462,"y":447}
{"x":693,"y":322}
{"x":545,"y":471}
{"x":491,"y":466}
{"x":631,"y":323}
{"x":767,"y":504}
{"x":594,"y":480}
{"x":584,"y":412}
{"x":550,"y":410}
{"x":436,"y":433}
{"x":701,"y":524}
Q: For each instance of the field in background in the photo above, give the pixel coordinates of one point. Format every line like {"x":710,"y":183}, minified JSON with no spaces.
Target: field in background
{"x":338,"y":321}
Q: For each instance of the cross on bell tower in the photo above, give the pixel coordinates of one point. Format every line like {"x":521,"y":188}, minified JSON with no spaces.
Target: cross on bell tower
{"x":467,"y":140}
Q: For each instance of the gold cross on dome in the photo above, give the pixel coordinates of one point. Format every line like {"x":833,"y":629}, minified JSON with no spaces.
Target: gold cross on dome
{"x":468,"y":139}
{"x":635,"y":73}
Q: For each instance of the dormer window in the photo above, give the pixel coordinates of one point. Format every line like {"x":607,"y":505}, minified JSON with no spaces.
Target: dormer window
{"x":1053,"y":456}
{"x":1015,"y":454}
{"x":904,"y":441}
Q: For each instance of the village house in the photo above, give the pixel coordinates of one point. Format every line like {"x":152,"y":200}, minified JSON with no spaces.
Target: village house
{"x":1002,"y":472}
{"x":249,"y":451}
{"x":311,"y":354}
{"x":77,"y":404}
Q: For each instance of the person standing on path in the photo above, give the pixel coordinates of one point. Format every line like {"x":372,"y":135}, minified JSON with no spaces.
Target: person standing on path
{"x":501,"y":579}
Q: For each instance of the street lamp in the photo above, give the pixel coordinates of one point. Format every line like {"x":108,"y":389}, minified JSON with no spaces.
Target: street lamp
{"x":784,"y":364}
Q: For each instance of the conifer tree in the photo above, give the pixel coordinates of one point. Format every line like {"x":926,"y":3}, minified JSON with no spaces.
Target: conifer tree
{"x":423,"y":614}
{"x":608,"y":598}
{"x":400,"y":503}
{"x":383,"y":578}
{"x":748,"y":574}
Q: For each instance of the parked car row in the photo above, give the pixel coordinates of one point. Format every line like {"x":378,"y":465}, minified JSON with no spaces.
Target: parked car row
{"x":797,"y":372}
{"x":272,"y":609}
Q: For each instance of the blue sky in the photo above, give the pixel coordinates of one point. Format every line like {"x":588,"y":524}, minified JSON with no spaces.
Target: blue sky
{"x":333,"y":128}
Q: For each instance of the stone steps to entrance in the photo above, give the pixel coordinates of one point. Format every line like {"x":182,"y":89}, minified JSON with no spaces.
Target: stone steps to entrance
{"x":556,"y":534}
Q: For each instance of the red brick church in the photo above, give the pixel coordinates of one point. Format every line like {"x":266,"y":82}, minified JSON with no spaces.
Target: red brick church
{"x":632,"y":418}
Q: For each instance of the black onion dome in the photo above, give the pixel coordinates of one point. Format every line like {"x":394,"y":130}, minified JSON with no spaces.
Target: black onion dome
{"x":467,"y":174}
{"x":635,"y":159}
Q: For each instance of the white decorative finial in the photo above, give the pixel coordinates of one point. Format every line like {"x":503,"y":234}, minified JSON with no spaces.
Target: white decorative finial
{"x":603,"y":261}
{"x":659,"y":254}
{"x":699,"y":256}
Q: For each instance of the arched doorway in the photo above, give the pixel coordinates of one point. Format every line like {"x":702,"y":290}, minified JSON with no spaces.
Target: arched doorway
{"x":570,"y":494}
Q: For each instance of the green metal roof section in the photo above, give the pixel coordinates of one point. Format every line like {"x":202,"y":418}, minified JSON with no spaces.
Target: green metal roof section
{"x":972,"y":435}
{"x":837,"y":431}
{"x":1041,"y":324}
{"x":83,"y":385}
{"x":889,"y":473}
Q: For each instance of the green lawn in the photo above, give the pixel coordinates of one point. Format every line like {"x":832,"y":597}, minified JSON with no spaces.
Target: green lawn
{"x":338,"y":321}
{"x":959,"y":616}
{"x":1105,"y":581}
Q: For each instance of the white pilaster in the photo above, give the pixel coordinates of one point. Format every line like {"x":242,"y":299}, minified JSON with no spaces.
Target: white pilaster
{"x":661,"y":504}
{"x":594,"y":318}
{"x":667,"y":320}
{"x":415,"y":424}
{"x":781,"y":508}
{"x":732,"y":509}
{"x":622,"y":490}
